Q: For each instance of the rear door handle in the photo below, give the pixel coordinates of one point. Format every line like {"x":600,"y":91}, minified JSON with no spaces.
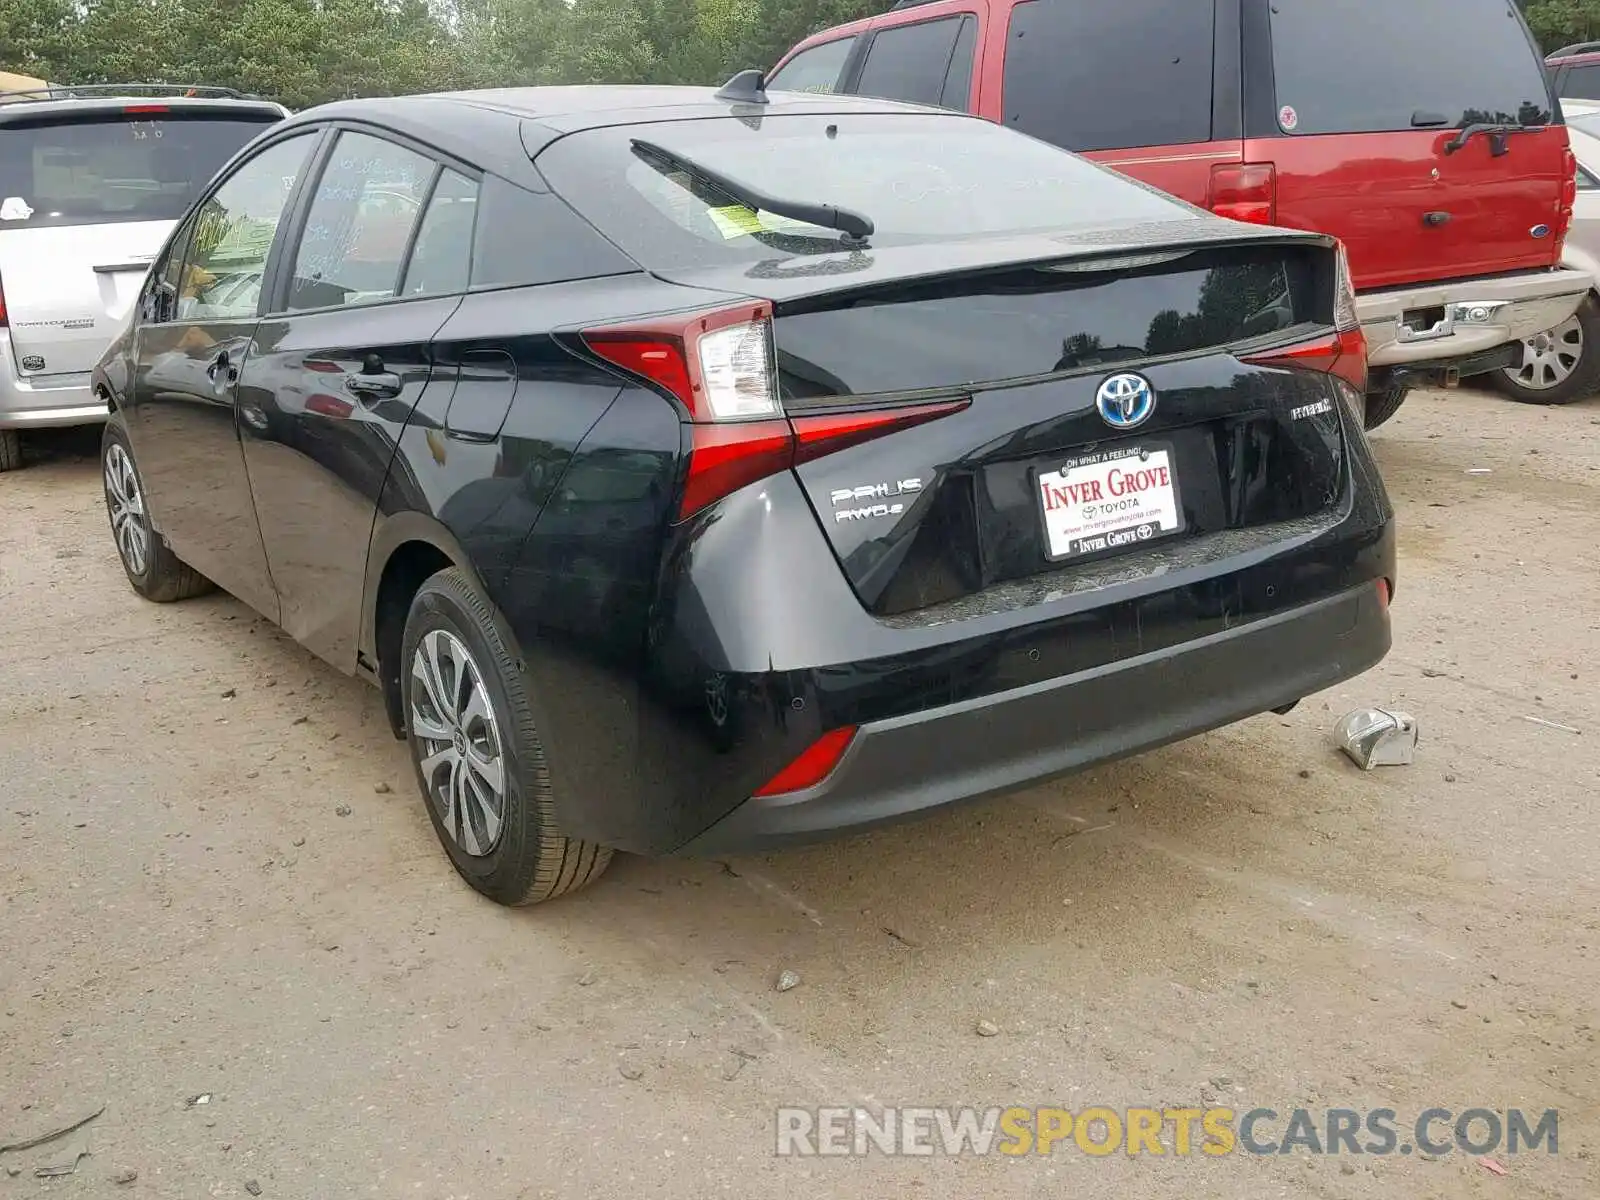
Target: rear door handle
{"x":374,"y":385}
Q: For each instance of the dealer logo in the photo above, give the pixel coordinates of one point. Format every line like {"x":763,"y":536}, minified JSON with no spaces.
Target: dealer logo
{"x":1126,"y":401}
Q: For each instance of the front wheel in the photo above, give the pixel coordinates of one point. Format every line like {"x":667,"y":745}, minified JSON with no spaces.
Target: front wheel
{"x":155,"y":572}
{"x":1559,"y":365}
{"x":478,"y":758}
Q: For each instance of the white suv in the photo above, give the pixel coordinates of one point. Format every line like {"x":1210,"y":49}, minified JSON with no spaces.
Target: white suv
{"x":92,"y":179}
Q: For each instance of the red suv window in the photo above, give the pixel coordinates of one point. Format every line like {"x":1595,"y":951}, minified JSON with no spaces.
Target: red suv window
{"x":1339,"y":78}
{"x":815,"y":69}
{"x":928,"y":62}
{"x":1106,"y":76}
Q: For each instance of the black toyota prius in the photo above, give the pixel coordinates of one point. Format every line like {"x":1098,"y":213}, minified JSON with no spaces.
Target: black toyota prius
{"x":700,"y":472}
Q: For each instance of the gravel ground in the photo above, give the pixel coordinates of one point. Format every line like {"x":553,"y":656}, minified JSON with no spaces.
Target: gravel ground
{"x":218,"y":880}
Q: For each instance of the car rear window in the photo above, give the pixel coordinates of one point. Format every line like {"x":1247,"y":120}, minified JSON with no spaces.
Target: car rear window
{"x":920,"y":178}
{"x":122,"y":168}
{"x":1581,"y":82}
{"x":1037,"y":321}
{"x":1368,"y":66}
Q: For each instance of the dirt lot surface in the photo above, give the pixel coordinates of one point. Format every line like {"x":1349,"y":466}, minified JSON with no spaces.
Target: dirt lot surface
{"x":218,"y":880}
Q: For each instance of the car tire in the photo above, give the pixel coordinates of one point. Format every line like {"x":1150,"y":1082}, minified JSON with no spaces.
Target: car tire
{"x":10,"y":450}
{"x":155,"y":572}
{"x":479,"y":762}
{"x":1383,"y":405}
{"x":1559,"y":365}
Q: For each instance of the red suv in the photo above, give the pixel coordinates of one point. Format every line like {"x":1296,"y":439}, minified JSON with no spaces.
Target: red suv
{"x":1424,"y":135}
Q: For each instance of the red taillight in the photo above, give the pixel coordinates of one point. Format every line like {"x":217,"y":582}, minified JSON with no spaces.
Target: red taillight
{"x":819,"y":435}
{"x":816,"y":763}
{"x":1385,"y":592}
{"x":1569,"y":198}
{"x":1245,"y":192}
{"x":3,"y":321}
{"x":1343,"y":353}
{"x":136,"y":109}
{"x":660,"y":361}
{"x":718,"y":366}
{"x":725,"y":457}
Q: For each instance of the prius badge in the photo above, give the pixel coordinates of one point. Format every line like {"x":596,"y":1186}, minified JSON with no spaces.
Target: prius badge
{"x":1126,"y":401}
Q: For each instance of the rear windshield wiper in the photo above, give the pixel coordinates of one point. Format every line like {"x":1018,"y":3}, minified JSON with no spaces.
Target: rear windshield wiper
{"x":1497,"y":132}
{"x":856,"y":227}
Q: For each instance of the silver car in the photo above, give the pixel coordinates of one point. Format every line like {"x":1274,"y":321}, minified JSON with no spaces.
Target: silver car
{"x":92,"y":181}
{"x":1562,"y":364}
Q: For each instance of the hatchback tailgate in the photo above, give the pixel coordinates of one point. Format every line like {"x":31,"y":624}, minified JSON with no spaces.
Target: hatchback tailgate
{"x":1010,"y":463}
{"x":68,"y":289}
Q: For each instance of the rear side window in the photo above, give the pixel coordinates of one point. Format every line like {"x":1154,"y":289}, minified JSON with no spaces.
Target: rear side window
{"x":1110,"y":74}
{"x":100,"y":171}
{"x":813,"y":70}
{"x":524,"y":238}
{"x":1581,"y":83}
{"x":957,"y":92}
{"x":912,"y":62}
{"x":442,"y":258}
{"x":1334,"y":76}
{"x":359,"y":225}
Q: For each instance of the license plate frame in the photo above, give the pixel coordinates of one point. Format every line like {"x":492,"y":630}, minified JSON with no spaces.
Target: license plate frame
{"x":1119,"y":532}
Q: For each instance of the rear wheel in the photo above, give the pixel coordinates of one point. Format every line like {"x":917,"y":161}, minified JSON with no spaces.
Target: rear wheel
{"x":10,"y":450}
{"x":1383,"y":405}
{"x":155,"y":572}
{"x":479,"y":761}
{"x":1559,"y":365}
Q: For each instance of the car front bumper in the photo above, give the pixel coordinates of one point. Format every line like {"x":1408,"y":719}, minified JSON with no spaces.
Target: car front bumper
{"x":1461,"y":318}
{"x":997,"y":743}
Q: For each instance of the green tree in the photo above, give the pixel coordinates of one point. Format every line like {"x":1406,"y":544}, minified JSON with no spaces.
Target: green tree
{"x":304,"y":52}
{"x":1558,"y":23}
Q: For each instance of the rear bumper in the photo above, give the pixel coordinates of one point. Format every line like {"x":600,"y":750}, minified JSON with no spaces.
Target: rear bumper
{"x":43,"y":401}
{"x":913,"y":764}
{"x":1474,"y":315}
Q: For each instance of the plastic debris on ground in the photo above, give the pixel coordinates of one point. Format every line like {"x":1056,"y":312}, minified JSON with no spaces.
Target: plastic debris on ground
{"x":1378,"y":737}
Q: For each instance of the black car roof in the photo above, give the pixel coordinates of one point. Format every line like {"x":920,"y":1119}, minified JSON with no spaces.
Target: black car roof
{"x":497,"y":128}
{"x":592,"y":106}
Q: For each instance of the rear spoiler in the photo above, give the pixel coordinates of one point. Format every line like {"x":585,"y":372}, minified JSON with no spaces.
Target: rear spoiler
{"x":69,"y":91}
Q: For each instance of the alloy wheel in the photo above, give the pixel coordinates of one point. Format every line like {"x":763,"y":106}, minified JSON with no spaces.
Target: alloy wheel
{"x":126,"y":502}
{"x":458,"y":743}
{"x":1549,"y":358}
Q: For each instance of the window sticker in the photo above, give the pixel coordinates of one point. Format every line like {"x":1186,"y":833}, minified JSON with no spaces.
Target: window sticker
{"x":735,"y":220}
{"x":14,"y":208}
{"x":1288,"y":119}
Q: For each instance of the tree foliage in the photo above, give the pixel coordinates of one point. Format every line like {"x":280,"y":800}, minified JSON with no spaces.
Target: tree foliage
{"x":304,"y":52}
{"x":1558,"y":23}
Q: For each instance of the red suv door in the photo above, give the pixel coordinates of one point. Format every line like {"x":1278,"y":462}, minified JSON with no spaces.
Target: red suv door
{"x":1365,"y":113}
{"x":1149,"y":87}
